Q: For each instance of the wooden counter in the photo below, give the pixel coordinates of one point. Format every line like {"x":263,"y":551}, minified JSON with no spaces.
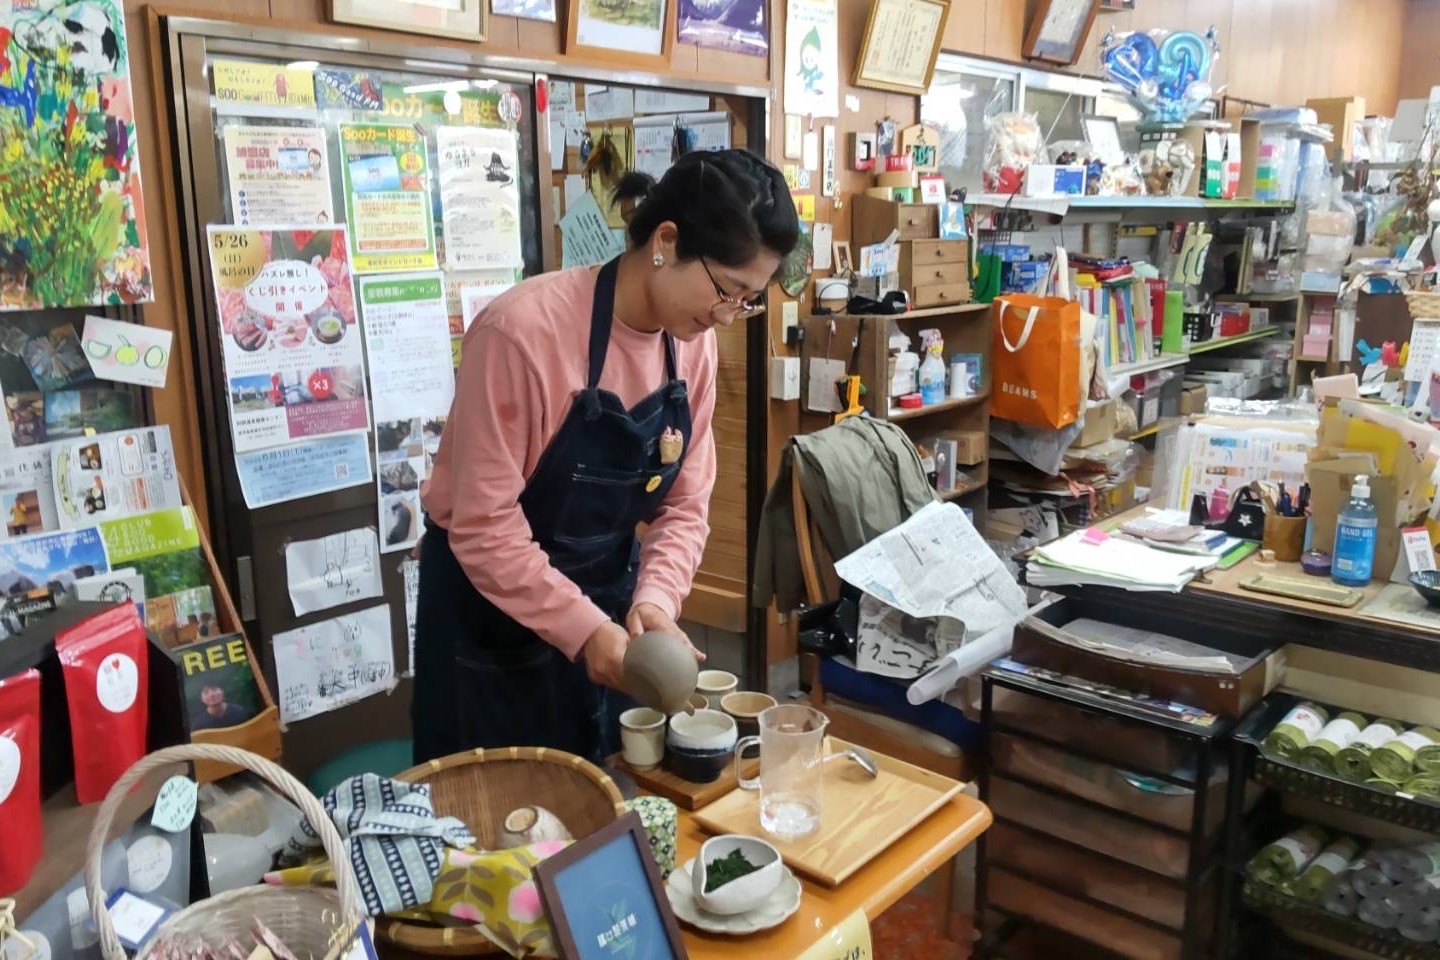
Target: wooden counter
{"x":877,"y":885}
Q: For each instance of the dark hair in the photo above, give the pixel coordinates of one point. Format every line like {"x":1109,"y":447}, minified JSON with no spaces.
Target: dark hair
{"x":727,"y":204}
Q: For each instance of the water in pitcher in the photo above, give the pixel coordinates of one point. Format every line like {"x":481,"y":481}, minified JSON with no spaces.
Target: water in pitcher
{"x":789,"y":816}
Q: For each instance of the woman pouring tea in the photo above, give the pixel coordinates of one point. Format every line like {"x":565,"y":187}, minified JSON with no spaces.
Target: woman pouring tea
{"x":582,"y":409}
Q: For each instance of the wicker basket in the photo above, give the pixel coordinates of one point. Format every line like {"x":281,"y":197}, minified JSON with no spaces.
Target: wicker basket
{"x":1424,"y":305}
{"x":304,"y":918}
{"x":481,"y":787}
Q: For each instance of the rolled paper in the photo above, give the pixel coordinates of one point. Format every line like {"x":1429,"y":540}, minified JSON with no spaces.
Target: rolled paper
{"x":1370,"y":880}
{"x":1338,"y":734}
{"x":1296,"y":730}
{"x":1284,"y":859}
{"x":1417,"y":894}
{"x":1378,"y":912}
{"x":1410,"y":863}
{"x":1383,"y":785}
{"x":1340,"y":897}
{"x":1353,"y":761}
{"x":1421,"y":927}
{"x":1427,"y":759}
{"x":1318,"y":874}
{"x":1424,"y":785}
{"x":1396,"y":759}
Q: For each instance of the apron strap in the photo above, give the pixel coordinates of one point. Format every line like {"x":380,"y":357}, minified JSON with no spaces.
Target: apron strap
{"x":602,"y":315}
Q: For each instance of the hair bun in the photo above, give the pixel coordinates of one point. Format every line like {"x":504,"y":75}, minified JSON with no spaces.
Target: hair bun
{"x":634,"y":185}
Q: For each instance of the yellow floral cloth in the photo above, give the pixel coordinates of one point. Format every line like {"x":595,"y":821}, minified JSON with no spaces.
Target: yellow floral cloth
{"x":495,"y":891}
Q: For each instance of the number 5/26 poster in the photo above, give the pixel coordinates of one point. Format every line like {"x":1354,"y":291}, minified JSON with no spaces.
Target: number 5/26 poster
{"x":294,"y":363}
{"x":387,"y":197}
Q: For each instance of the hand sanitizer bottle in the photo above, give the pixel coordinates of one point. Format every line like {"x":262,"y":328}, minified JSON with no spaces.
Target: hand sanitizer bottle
{"x":1355,"y":529}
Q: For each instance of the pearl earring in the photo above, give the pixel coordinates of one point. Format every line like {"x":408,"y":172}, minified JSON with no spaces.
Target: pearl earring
{"x":659,"y":260}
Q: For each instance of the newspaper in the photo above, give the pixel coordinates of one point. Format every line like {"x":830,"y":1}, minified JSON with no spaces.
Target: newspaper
{"x":934,"y":565}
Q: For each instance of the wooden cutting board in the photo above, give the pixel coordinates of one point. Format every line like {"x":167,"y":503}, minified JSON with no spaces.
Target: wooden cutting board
{"x":859,"y":816}
{"x":685,"y":794}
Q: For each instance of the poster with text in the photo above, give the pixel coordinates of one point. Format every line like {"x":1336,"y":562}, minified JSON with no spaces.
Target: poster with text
{"x":32,"y":562}
{"x":241,"y":84}
{"x":479,"y":198}
{"x":333,"y":663}
{"x":812,"y":64}
{"x":72,"y":221}
{"x":407,"y":336}
{"x":467,"y":292}
{"x":300,"y":470}
{"x":27,"y":492}
{"x":114,"y":475}
{"x":387,"y":197}
{"x":294,"y":363}
{"x":278,"y":175}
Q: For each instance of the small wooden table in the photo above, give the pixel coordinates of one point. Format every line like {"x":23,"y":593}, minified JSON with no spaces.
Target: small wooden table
{"x":876,"y":887}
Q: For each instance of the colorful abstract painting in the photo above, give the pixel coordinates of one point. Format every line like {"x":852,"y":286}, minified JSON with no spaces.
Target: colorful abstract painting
{"x":72,"y":224}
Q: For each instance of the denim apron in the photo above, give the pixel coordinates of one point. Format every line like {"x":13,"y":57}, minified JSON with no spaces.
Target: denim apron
{"x":481,"y":678}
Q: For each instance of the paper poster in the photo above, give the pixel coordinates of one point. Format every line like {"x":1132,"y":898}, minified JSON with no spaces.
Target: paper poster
{"x":27,"y":492}
{"x":609,"y":103}
{"x":812,"y":68}
{"x":333,"y":570}
{"x":113,"y":587}
{"x":738,"y":26}
{"x":73,"y":222}
{"x":654,"y":146}
{"x":1424,"y":346}
{"x":277,"y":175}
{"x":575,"y":129}
{"x":387,"y":197}
{"x":407,"y":336}
{"x":479,"y":199}
{"x":574,"y":189}
{"x":410,"y":570}
{"x":153,"y":534}
{"x":30,"y":563}
{"x":248,"y":83}
{"x":127,"y":352}
{"x":586,"y":237}
{"x":439,"y":103}
{"x":294,"y":364}
{"x":655,"y":100}
{"x":635,"y":27}
{"x":114,"y":475}
{"x":558,"y":119}
{"x":328,"y":665}
{"x":562,"y":95}
{"x":301,"y":470}
{"x":348,"y":90}
{"x":467,"y":292}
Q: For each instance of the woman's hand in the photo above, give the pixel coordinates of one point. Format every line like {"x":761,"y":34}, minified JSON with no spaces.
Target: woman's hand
{"x":604,"y":654}
{"x":647,"y":616}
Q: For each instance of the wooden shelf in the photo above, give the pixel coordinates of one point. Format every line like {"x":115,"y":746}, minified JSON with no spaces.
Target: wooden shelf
{"x":1162,"y":362}
{"x":1223,"y":342}
{"x":1154,"y":428}
{"x":920,"y":314}
{"x":1259,"y":297}
{"x":897,"y":414}
{"x":960,"y":492}
{"x":1060,"y":206}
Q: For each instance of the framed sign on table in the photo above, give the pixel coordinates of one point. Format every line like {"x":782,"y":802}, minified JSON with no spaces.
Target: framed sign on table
{"x":634,"y":33}
{"x":1059,"y":30}
{"x":456,"y":19}
{"x":604,"y":899}
{"x":902,"y":40}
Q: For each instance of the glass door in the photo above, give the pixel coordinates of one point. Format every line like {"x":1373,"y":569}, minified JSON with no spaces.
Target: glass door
{"x":961,"y":96}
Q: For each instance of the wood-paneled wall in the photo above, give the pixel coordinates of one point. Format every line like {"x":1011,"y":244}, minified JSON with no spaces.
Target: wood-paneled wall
{"x":1272,"y":51}
{"x":1420,"y":56}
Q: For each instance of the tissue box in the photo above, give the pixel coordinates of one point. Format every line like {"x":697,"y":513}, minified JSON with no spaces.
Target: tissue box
{"x":1051,"y":180}
{"x":1234,"y":319}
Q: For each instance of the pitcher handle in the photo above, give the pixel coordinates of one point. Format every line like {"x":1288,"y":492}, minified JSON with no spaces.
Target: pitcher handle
{"x":743,"y":744}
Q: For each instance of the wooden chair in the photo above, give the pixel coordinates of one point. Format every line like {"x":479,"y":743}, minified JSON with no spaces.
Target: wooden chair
{"x":855,"y":722}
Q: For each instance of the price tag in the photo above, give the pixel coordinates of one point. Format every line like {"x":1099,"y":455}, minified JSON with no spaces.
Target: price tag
{"x":175,"y":806}
{"x":134,"y":918}
{"x":847,"y":940}
{"x":1417,"y":549}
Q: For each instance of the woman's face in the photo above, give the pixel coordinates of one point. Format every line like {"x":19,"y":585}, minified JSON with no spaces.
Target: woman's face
{"x":697,"y":295}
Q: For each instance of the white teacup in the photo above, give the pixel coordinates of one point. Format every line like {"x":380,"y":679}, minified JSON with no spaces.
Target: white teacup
{"x":713,"y":685}
{"x":642,"y":737}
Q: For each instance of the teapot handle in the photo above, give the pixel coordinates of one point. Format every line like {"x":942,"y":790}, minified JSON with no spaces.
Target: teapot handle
{"x":746,"y":783}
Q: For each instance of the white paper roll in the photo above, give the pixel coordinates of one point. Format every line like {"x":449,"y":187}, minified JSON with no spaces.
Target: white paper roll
{"x":959,"y":663}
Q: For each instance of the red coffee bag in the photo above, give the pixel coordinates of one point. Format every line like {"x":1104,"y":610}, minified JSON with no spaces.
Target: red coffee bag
{"x":106,"y":684}
{"x":20,"y":779}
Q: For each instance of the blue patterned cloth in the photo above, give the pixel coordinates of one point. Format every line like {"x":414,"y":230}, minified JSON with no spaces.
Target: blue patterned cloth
{"x":396,"y":842}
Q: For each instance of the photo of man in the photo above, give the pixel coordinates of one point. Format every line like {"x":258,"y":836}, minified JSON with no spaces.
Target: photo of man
{"x":215,"y":711}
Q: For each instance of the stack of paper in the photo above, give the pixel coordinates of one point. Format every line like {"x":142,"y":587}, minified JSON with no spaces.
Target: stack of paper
{"x":1093,"y":557}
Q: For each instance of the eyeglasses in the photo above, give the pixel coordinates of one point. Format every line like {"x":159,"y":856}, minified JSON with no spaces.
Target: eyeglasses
{"x":737,"y":304}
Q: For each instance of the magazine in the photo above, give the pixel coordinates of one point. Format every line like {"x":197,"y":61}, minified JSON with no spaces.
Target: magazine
{"x":219,"y":685}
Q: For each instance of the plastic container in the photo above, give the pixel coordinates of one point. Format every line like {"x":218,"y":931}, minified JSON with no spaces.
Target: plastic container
{"x":1355,"y":528}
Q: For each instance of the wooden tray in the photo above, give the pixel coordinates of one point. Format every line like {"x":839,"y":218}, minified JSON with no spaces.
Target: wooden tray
{"x":859,"y":818}
{"x":684,"y":794}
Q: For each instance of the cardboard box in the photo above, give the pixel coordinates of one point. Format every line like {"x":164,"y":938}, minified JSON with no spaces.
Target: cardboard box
{"x":1341,"y":113}
{"x":971,"y":446}
{"x":1042,"y":641}
{"x":1330,"y":482}
{"x":1192,"y":399}
{"x":1099,"y":424}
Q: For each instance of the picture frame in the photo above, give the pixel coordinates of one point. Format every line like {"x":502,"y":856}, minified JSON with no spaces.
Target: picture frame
{"x":1059,"y":30}
{"x":603,"y":895}
{"x":841,"y":259}
{"x":1103,"y":135}
{"x":630,"y":33}
{"x":901,"y":44}
{"x":543,"y":10}
{"x":453,"y":19}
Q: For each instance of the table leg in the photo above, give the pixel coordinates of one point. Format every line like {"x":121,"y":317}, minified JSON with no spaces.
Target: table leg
{"x":946,"y":893}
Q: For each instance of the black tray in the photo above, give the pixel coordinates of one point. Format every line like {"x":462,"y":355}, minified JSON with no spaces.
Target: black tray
{"x":1373,"y":941}
{"x":1404,"y":809}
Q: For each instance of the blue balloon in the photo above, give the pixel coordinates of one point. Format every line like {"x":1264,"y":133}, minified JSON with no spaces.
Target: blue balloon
{"x":1132,"y":61}
{"x":1160,"y":78}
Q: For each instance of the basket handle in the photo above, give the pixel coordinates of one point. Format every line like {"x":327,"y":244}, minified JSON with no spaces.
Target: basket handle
{"x":292,"y":789}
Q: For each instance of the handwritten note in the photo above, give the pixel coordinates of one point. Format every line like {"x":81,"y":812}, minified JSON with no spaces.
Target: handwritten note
{"x":588,"y":237}
{"x":410,"y":570}
{"x":339,"y":568}
{"x":847,"y":940}
{"x":334,"y":663}
{"x":127,"y":352}
{"x":175,"y":805}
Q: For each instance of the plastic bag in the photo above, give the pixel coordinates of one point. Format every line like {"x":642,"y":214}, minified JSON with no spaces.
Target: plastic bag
{"x":105,"y":660}
{"x":20,"y":778}
{"x":1012,"y":143}
{"x":1329,"y":231}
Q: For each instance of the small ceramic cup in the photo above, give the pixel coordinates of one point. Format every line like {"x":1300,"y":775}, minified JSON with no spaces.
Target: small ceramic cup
{"x":714,"y":684}
{"x":642,"y":737}
{"x":742,"y":893}
{"x":698,"y":745}
{"x":746,"y":706}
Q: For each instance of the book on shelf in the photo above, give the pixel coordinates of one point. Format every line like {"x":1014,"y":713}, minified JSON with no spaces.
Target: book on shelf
{"x":217,"y":681}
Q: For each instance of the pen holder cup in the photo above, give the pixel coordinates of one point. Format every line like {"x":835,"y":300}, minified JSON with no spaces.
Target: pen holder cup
{"x":1284,"y":535}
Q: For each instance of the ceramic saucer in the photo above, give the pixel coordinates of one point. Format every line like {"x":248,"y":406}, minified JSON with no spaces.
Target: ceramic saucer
{"x":781,"y":905}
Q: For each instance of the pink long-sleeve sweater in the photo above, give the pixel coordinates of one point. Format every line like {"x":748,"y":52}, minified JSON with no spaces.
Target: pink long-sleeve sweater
{"x":524,"y":359}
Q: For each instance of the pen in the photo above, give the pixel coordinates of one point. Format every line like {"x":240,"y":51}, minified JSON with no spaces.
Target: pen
{"x":1285,"y":504}
{"x":1304,"y":498}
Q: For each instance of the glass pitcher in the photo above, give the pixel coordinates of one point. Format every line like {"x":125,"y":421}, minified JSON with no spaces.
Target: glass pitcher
{"x":792,"y":743}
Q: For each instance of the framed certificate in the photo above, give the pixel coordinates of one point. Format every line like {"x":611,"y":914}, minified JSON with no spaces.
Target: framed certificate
{"x":902,"y":40}
{"x":1059,"y":30}
{"x":456,"y":19}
